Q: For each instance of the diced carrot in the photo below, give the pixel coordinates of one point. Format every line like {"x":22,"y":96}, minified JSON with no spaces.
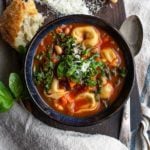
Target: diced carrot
{"x":105,"y":39}
{"x":70,"y":98}
{"x":63,"y":101}
{"x":41,"y":48}
{"x":72,"y":84}
{"x":66,"y":98}
{"x":59,"y":30}
{"x":48,"y":40}
{"x":59,"y":107}
{"x":98,"y":59}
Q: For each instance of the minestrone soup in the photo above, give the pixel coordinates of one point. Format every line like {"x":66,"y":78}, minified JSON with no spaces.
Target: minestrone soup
{"x":79,"y":69}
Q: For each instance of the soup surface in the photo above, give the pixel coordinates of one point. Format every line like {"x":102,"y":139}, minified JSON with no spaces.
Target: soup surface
{"x":79,"y":69}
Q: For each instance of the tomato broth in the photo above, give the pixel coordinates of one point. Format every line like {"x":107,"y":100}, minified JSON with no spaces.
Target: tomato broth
{"x":79,"y":69}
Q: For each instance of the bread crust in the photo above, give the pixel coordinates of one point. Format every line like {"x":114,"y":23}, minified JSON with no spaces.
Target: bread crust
{"x":12,"y":18}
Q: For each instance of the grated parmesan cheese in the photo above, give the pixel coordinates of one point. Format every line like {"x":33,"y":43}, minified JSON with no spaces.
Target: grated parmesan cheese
{"x":67,"y":7}
{"x":76,"y":50}
{"x":95,"y":5}
{"x":85,"y":66}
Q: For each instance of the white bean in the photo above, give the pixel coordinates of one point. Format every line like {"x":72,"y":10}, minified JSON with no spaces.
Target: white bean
{"x":58,"y":49}
{"x":67,"y":31}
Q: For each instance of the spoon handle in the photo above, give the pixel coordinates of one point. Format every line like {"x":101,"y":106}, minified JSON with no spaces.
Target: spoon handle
{"x":125,"y":131}
{"x":136,"y":114}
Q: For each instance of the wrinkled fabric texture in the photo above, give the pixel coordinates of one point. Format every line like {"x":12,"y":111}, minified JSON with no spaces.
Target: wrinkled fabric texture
{"x":19,"y":130}
{"x":141,"y":137}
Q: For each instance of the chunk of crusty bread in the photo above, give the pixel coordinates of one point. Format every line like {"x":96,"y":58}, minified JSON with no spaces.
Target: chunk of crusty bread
{"x":19,"y":22}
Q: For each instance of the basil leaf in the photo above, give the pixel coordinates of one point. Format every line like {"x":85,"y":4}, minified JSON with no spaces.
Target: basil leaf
{"x":15,"y":85}
{"x":71,"y":71}
{"x":48,"y":80}
{"x":61,"y":69}
{"x":85,"y":52}
{"x":91,"y":83}
{"x":6,"y":99}
{"x":122,"y":72}
{"x":22,"y":49}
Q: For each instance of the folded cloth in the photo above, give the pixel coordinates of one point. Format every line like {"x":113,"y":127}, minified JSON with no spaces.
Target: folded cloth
{"x":141,"y":137}
{"x":19,"y":130}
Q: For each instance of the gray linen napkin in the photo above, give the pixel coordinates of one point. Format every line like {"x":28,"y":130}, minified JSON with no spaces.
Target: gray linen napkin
{"x":19,"y":130}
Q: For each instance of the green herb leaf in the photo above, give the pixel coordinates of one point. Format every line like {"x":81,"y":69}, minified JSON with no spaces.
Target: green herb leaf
{"x":71,"y":71}
{"x":38,"y":77}
{"x":61,"y":70}
{"x":67,"y":42}
{"x":85,"y":52}
{"x":91,"y":82}
{"x":122,"y":72}
{"x":48,"y":80}
{"x":6,"y":99}
{"x":22,"y":49}
{"x":15,"y":85}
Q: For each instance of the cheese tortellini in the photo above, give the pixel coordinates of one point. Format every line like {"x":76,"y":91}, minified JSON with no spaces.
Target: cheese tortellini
{"x":106,"y":91}
{"x":55,"y":92}
{"x":91,"y":102}
{"x":87,"y":35}
{"x":111,"y":56}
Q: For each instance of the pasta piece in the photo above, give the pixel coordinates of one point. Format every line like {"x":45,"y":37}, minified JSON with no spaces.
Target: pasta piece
{"x":106,"y":91}
{"x":104,"y":80}
{"x":87,"y":96}
{"x":86,"y":109}
{"x":111,"y":56}
{"x":92,"y":105}
{"x":55,"y":92}
{"x":55,"y":87}
{"x":86,"y":35}
{"x":56,"y":95}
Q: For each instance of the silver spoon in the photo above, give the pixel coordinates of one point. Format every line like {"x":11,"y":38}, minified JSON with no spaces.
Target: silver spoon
{"x":132,"y":31}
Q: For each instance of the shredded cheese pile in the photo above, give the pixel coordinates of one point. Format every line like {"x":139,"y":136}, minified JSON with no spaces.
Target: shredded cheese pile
{"x":95,"y":5}
{"x":67,"y":7}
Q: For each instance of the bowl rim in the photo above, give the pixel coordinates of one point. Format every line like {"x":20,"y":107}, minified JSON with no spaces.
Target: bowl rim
{"x":82,"y":123}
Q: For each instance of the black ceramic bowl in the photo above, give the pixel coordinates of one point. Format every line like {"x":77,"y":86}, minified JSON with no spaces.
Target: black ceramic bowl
{"x":124,"y":94}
